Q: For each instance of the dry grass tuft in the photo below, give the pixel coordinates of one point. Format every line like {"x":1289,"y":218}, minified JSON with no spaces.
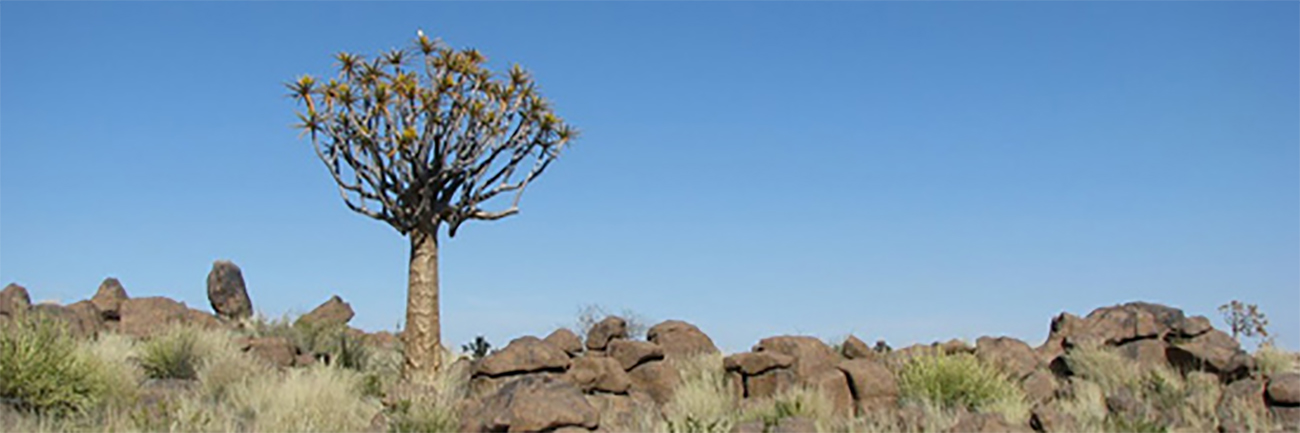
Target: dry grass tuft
{"x":703,"y":401}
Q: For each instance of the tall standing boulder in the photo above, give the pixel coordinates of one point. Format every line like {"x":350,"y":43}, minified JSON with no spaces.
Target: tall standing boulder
{"x":14,"y":300}
{"x":226,"y":291}
{"x":108,"y":299}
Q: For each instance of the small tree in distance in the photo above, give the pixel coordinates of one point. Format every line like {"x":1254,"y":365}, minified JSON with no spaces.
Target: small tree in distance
{"x":424,"y":137}
{"x":1244,"y":320}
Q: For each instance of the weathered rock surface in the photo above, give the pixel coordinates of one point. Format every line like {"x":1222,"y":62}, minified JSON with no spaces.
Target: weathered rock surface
{"x":1010,"y":355}
{"x":872,"y":385}
{"x":854,"y":348}
{"x":278,"y":351}
{"x":532,"y":404}
{"x":1283,"y":390}
{"x":1215,"y":352}
{"x":523,"y":355}
{"x":1046,"y":419}
{"x":226,"y":291}
{"x":81,"y":319}
{"x":811,"y":355}
{"x":566,"y":341}
{"x":1039,"y":386}
{"x":333,"y":312}
{"x":1147,"y":352}
{"x":604,"y":331}
{"x":142,"y":317}
{"x":633,"y":353}
{"x":598,"y":373}
{"x":984,"y":423}
{"x":656,"y":378}
{"x":769,"y":383}
{"x":680,"y":339}
{"x":754,"y":363}
{"x":14,"y":300}
{"x":624,"y":413}
{"x":108,"y":299}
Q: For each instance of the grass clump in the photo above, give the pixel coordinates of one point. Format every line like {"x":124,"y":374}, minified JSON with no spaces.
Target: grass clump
{"x":432,"y":409}
{"x":959,"y":381}
{"x":703,"y":401}
{"x":799,"y":401}
{"x":181,"y":351}
{"x":319,"y":398}
{"x":1104,"y":366}
{"x":42,"y":371}
{"x":1271,"y":361}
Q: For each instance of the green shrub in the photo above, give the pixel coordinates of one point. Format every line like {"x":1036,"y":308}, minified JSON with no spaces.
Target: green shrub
{"x":172,"y":355}
{"x":956,"y":381}
{"x":41,"y":369}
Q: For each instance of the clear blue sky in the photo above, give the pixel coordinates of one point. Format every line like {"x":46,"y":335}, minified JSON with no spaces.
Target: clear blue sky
{"x":912,"y":172}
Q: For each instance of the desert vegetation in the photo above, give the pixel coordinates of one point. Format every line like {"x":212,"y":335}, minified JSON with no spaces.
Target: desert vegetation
{"x":1131,"y":367}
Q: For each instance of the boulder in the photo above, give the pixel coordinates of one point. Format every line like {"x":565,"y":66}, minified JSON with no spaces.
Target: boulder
{"x":333,"y":312}
{"x":1215,"y":352}
{"x":853,"y":348}
{"x":80,"y":319}
{"x":14,"y":300}
{"x":143,"y":317}
{"x":1146,"y":352}
{"x":382,"y":339}
{"x":608,"y":329}
{"x":811,"y":355}
{"x":598,"y":373}
{"x":1287,"y":417}
{"x":633,"y":353}
{"x":1039,"y":386}
{"x":834,"y":384}
{"x":108,"y":299}
{"x":624,"y":413}
{"x":954,"y":346}
{"x":1240,"y":400}
{"x":565,"y":340}
{"x":531,"y":404}
{"x":872,"y":385}
{"x":1010,"y":355}
{"x":226,"y":291}
{"x":523,"y":355}
{"x":769,"y":383}
{"x":680,"y":339}
{"x":753,"y":363}
{"x":656,"y":378}
{"x":1047,"y":419}
{"x":278,"y":351}
{"x":1283,"y":390}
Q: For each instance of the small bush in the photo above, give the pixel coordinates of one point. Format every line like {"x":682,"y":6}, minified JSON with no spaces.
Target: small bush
{"x":435,"y":411}
{"x":956,"y":381}
{"x":703,"y":401}
{"x":1104,"y":366}
{"x":41,"y":369}
{"x":171,"y":355}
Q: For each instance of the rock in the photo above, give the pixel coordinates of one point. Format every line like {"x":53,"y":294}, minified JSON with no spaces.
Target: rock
{"x":14,"y":300}
{"x":1124,"y":405}
{"x":80,"y":319}
{"x":598,"y":373}
{"x":853,"y":348}
{"x":954,"y":346}
{"x":1039,"y":386}
{"x":608,"y":329}
{"x":108,"y":299}
{"x":633,"y":353}
{"x":983,"y":423}
{"x":811,"y":355}
{"x":382,"y":339}
{"x":769,"y":383}
{"x":1283,"y":390}
{"x":1046,"y":419}
{"x":278,"y":351}
{"x":523,"y":355}
{"x":333,"y":312}
{"x":680,"y":339}
{"x":566,"y":341}
{"x":1196,"y":325}
{"x":656,"y":378}
{"x":835,"y":386}
{"x":753,"y":363}
{"x":1243,"y":397}
{"x":531,"y":404}
{"x":755,"y":426}
{"x":1287,"y":417}
{"x":1010,"y":355}
{"x":226,"y":291}
{"x":872,"y":385}
{"x":1214,"y":352}
{"x":1147,"y":352}
{"x":143,"y":317}
{"x":624,"y":413}
{"x":304,"y":360}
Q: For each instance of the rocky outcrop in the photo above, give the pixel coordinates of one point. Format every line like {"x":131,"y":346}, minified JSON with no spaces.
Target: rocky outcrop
{"x":633,"y":353}
{"x":599,"y":373}
{"x":680,"y":339}
{"x":226,"y":291}
{"x":523,"y":355}
{"x":872,"y":386}
{"x":532,"y":404}
{"x":566,"y":341}
{"x":108,"y":299}
{"x":333,"y":312}
{"x":854,"y":348}
{"x":1012,"y":356}
{"x":608,"y":329}
{"x":14,"y":300}
{"x":1214,"y":352}
{"x":143,"y":317}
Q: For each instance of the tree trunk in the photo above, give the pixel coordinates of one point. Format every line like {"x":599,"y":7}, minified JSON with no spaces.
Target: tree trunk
{"x":422,"y":334}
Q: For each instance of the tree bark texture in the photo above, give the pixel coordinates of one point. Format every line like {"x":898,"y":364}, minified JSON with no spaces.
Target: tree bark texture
{"x":422,"y":334}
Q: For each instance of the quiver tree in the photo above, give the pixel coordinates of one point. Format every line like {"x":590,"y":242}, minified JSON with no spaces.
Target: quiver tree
{"x":426,"y":137}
